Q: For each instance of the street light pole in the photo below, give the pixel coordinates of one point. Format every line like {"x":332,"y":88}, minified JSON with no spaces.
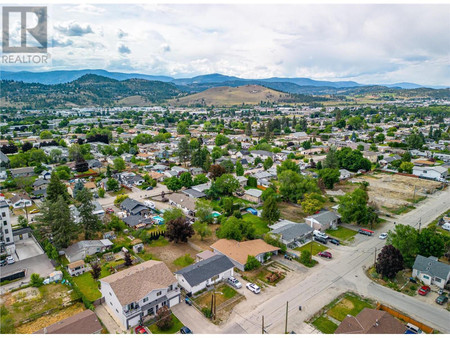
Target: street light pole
{"x":285,"y":326}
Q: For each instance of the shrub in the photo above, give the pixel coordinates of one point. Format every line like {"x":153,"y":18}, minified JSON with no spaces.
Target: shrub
{"x":207,"y":312}
{"x":119,"y":199}
{"x":164,"y":318}
{"x":252,"y":263}
{"x":36,"y":280}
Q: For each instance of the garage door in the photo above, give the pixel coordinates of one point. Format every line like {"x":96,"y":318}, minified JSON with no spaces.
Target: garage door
{"x":174,"y":301}
{"x":134,"y":321}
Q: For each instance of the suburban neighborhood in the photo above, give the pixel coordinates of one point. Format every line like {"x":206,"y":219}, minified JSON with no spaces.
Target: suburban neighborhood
{"x":143,"y":192}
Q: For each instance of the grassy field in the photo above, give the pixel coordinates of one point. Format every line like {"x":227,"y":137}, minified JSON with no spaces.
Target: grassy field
{"x":258,"y":222}
{"x":291,"y":212}
{"x":184,"y":261}
{"x":325,"y":325}
{"x":161,"y":241}
{"x":223,"y":293}
{"x":316,"y":248}
{"x":349,"y":305}
{"x":343,"y":233}
{"x":177,"y":325}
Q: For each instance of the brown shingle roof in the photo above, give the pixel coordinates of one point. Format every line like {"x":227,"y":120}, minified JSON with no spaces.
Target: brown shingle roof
{"x":135,"y":283}
{"x":370,"y":321}
{"x":76,"y":264}
{"x":239,"y":251}
{"x":85,"y":322}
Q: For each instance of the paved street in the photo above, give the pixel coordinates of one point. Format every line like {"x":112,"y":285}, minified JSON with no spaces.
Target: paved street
{"x":345,"y":273}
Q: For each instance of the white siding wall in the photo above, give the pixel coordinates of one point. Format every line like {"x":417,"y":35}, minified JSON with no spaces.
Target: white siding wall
{"x":113,"y":303}
{"x":189,"y":288}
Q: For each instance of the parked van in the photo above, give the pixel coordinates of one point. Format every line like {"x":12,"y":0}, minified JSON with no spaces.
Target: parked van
{"x":321,"y":239}
{"x":412,"y":328}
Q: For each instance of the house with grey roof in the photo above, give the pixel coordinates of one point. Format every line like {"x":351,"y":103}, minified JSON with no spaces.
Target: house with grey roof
{"x":80,"y":250}
{"x":204,"y":273}
{"x":4,"y":161}
{"x":252,"y":195}
{"x":133,"y":207}
{"x":431,"y":272}
{"x":437,"y":173}
{"x":192,"y":193}
{"x":292,"y":232}
{"x":323,"y":220}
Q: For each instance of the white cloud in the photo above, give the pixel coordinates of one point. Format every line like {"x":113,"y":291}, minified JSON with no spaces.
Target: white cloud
{"x":365,"y":43}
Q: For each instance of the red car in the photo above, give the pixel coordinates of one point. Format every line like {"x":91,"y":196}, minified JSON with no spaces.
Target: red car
{"x":140,"y":330}
{"x":423,"y":291}
{"x":325,"y":254}
{"x":110,"y":211}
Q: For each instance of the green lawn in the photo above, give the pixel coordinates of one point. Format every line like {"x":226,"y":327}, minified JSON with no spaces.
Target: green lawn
{"x":177,"y":325}
{"x":184,"y":261}
{"x":316,"y":248}
{"x":343,"y":233}
{"x":88,"y":286}
{"x":161,"y":241}
{"x":325,"y":325}
{"x":258,"y":222}
{"x":350,"y":304}
{"x":227,"y":291}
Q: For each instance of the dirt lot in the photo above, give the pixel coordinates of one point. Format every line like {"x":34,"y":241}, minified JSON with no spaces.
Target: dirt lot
{"x":169,"y":252}
{"x":395,"y":191}
{"x":291,"y":212}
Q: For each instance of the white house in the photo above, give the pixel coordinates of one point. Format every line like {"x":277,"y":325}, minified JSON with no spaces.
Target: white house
{"x":204,"y":273}
{"x":139,"y":291}
{"x":435,"y":173}
{"x":431,"y":272}
{"x":323,"y":220}
{"x":81,"y":249}
{"x":20,"y":201}
{"x":344,"y":174}
{"x":77,"y":268}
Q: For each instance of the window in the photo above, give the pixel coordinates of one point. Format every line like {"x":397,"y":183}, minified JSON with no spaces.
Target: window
{"x":4,"y":223}
{"x":426,"y":277}
{"x":145,"y":300}
{"x":3,"y":214}
{"x":150,"y":312}
{"x":110,"y":294}
{"x":6,"y":231}
{"x":110,"y":303}
{"x":438,"y":280}
{"x":7,"y":239}
{"x":158,"y":293}
{"x":171,"y":288}
{"x":117,"y":311}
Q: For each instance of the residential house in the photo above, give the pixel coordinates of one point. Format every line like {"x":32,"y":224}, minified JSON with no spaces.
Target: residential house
{"x":204,"y":273}
{"x":263,"y":154}
{"x":344,"y":174}
{"x":4,"y":161}
{"x":77,"y":268}
{"x":291,"y":232}
{"x":133,"y":207}
{"x":204,"y":255}
{"x":431,"y":272}
{"x":20,"y":200}
{"x":388,"y":160}
{"x":158,"y":177}
{"x":137,"y":221}
{"x":94,"y":164}
{"x":85,"y":322}
{"x":22,"y":172}
{"x":139,"y":291}
{"x":371,"y":156}
{"x":238,"y":252}
{"x":323,"y":220}
{"x":196,"y":171}
{"x":438,"y":173}
{"x":192,"y":193}
{"x":371,"y":321}
{"x":80,"y":250}
{"x":252,"y":195}
{"x":184,"y":202}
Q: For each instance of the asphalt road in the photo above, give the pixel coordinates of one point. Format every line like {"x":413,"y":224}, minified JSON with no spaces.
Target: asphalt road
{"x":343,"y":273}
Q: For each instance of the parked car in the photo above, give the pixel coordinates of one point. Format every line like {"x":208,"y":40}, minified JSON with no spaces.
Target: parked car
{"x":10,"y":260}
{"x":186,"y":330}
{"x":321,"y":240}
{"x":335,"y":241}
{"x":412,"y":280}
{"x":441,"y":300}
{"x":140,"y":330}
{"x":188,"y":301}
{"x":412,"y":329}
{"x":424,"y":290}
{"x":34,"y":211}
{"x":318,"y":233}
{"x":234,"y":282}
{"x":383,"y":235}
{"x":3,"y":262}
{"x":253,"y":288}
{"x":325,"y":254}
{"x":109,"y":210}
{"x":149,"y":188}
{"x":441,"y":291}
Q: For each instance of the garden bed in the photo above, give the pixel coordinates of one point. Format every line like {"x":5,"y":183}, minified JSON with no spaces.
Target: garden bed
{"x":177,"y":325}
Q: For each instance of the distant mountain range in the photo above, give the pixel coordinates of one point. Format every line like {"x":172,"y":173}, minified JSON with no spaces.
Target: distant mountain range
{"x":202,"y":81}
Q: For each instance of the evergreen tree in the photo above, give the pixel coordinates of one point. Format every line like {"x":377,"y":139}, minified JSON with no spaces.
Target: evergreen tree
{"x":56,"y":188}
{"x":239,"y":169}
{"x":248,"y":129}
{"x":184,"y":150}
{"x":331,"y":160}
{"x":90,"y":222}
{"x":61,"y":223}
{"x":77,"y":188}
{"x":270,"y":213}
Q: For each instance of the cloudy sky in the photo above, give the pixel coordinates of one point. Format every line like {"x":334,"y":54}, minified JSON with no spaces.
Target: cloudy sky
{"x":364,"y":43}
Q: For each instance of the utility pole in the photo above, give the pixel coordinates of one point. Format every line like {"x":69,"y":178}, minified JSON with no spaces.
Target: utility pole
{"x":414,"y":197}
{"x":285,"y":325}
{"x":375,"y":257}
{"x":262,"y":327}
{"x":212,"y":305}
{"x":420,"y":223}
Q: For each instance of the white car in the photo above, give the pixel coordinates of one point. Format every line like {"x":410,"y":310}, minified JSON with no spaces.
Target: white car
{"x":253,"y":288}
{"x":10,"y":260}
{"x":383,"y":235}
{"x":234,"y":282}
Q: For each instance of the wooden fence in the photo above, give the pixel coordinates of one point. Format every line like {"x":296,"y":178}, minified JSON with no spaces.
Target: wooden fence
{"x":405,"y":318}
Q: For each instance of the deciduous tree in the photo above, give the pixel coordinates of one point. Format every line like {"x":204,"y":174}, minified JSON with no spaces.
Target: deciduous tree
{"x":179,"y":230}
{"x":389,"y":262}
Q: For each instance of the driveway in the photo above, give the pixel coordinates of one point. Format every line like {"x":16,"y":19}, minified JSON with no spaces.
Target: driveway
{"x":193,"y":319}
{"x":27,"y":248}
{"x":38,"y":264}
{"x":108,"y":321}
